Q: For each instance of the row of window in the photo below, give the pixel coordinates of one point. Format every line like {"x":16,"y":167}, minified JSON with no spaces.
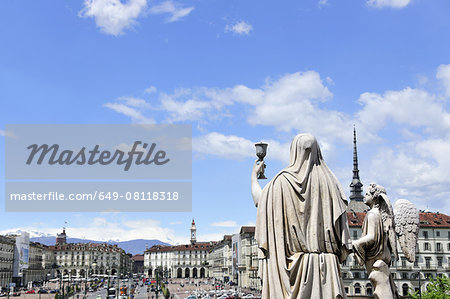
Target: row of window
{"x":427,"y":246}
{"x":424,"y":234}
{"x":6,"y":248}
{"x":428,"y":264}
{"x":438,"y":234}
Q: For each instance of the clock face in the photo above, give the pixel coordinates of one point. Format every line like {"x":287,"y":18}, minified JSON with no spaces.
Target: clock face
{"x":193,"y":234}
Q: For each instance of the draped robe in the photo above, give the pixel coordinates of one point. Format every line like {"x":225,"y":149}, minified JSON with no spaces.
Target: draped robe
{"x":302,"y":229}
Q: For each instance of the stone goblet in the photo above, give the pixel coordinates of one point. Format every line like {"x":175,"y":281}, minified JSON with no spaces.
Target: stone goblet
{"x":261,"y":150}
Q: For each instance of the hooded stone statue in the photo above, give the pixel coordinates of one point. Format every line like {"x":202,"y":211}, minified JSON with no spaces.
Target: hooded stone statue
{"x":301,"y":226}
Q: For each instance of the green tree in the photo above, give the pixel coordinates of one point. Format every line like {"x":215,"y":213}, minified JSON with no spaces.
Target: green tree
{"x":438,"y":288}
{"x":165,"y":291}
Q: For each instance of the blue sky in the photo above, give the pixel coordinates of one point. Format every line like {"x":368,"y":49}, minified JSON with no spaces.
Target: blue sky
{"x":239,"y":72}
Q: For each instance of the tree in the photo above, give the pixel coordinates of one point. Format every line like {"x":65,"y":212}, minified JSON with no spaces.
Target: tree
{"x":438,"y":288}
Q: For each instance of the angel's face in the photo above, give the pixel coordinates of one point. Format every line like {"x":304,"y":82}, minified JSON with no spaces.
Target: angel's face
{"x":368,"y":199}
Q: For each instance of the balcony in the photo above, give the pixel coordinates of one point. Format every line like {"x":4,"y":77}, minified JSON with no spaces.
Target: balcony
{"x":241,"y":267}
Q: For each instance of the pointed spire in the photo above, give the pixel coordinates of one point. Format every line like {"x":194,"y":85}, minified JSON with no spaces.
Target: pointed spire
{"x":355,"y":185}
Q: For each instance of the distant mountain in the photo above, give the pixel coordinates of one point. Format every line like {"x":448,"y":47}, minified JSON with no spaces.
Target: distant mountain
{"x":133,"y":246}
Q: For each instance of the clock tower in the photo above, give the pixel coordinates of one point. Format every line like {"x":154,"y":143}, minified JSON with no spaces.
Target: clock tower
{"x":193,"y":233}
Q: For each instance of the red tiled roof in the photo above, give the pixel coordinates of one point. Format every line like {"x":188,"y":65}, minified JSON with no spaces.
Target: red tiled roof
{"x":138,"y":257}
{"x":355,"y":219}
{"x":427,"y":219}
{"x":434,"y":220}
{"x":247,"y":229}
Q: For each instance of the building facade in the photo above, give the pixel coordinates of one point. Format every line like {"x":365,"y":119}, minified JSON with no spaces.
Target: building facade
{"x":180,"y":261}
{"x":138,"y":263}
{"x":86,"y":259}
{"x":6,"y":261}
{"x":41,"y":264}
{"x":245,"y":258}
{"x":73,"y":260}
{"x":235,"y":258}
{"x":220,"y":260}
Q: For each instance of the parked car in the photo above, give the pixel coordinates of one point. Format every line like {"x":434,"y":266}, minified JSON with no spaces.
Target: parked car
{"x":43,"y":291}
{"x":16,"y":294}
{"x":2,"y":294}
{"x":30,"y":292}
{"x":54,"y":291}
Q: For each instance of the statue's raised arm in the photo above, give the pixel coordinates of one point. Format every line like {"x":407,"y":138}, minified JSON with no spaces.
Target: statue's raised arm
{"x":256,"y":188}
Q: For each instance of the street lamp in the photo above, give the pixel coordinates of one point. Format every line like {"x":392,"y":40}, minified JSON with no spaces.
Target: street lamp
{"x":129,"y":285}
{"x":158,"y":272}
{"x":94,"y":265}
{"x":420,"y":289}
{"x":86,"y":274}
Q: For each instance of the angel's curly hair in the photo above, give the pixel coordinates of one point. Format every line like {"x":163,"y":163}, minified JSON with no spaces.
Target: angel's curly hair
{"x":376,"y":190}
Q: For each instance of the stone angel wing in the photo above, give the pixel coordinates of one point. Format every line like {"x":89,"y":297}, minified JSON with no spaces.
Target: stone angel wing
{"x":406,"y":219}
{"x":389,"y":223}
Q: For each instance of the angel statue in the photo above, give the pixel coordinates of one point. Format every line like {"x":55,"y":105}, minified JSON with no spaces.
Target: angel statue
{"x":378,"y":242}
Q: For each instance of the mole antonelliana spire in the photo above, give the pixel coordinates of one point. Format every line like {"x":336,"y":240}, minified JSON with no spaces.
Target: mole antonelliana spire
{"x":355,"y":185}
{"x":356,"y":192}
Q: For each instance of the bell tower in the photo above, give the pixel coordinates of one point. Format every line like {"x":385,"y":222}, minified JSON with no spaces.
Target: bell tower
{"x":193,"y":233}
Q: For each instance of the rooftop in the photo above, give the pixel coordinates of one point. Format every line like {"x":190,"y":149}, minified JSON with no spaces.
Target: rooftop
{"x":427,"y":219}
{"x":87,"y":246}
{"x":185,"y":247}
{"x":247,"y":229}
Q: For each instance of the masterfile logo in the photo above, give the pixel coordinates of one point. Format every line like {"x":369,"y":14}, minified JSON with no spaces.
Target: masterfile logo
{"x":99,"y":152}
{"x":94,"y":156}
{"x":98,"y":168}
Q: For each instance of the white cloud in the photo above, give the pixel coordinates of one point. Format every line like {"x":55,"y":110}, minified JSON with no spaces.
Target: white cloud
{"x":388,"y":3}
{"x":408,"y":107}
{"x":150,"y":89}
{"x":134,"y":102}
{"x":113,"y":16}
{"x":290,"y":103}
{"x":237,"y":148}
{"x":417,"y":170}
{"x":179,"y":110}
{"x":230,"y":147}
{"x":131,"y":112}
{"x":443,"y":74}
{"x":7,"y":133}
{"x":174,"y":9}
{"x":228,"y":223}
{"x":239,"y":28}
{"x":323,"y":3}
